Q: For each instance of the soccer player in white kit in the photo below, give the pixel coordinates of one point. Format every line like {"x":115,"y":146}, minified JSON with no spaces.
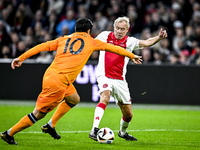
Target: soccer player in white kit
{"x":111,"y":71}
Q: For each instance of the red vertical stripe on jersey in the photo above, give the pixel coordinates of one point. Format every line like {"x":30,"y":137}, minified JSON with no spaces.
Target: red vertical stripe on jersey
{"x":114,"y":63}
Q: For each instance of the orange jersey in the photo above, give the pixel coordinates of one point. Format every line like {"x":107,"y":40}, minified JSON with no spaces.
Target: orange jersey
{"x":73,"y":51}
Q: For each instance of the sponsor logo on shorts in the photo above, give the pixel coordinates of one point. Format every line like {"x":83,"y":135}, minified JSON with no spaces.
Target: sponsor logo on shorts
{"x":105,"y":85}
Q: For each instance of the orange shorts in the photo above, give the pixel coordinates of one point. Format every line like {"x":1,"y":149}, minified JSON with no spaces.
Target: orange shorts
{"x":53,"y":91}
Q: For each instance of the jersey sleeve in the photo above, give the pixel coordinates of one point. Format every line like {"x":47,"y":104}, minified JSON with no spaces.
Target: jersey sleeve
{"x":47,"y":46}
{"x":99,"y":45}
{"x":134,"y":43}
{"x":103,"y":36}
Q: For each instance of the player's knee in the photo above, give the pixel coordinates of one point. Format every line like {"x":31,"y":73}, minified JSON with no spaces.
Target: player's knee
{"x":105,"y":100}
{"x":77,"y":99}
{"x":105,"y":97}
{"x":73,"y":99}
{"x":38,"y":114}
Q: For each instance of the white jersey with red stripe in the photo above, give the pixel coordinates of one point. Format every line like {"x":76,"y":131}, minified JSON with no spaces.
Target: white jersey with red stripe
{"x":113,"y":65}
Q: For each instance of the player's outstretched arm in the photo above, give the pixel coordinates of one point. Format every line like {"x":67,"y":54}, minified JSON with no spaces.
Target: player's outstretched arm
{"x":151,"y":41}
{"x":119,"y":50}
{"x":137,"y":59}
{"x":16,"y":63}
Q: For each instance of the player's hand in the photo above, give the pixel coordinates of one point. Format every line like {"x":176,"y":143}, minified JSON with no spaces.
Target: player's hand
{"x":137,"y":59}
{"x":162,"y":34}
{"x":16,"y":63}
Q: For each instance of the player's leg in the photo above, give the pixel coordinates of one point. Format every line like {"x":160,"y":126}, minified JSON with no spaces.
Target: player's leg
{"x":71,"y":99}
{"x":98,"y":114}
{"x":105,"y":89}
{"x":125,"y":121}
{"x":68,"y":103}
{"x":122,"y":97}
{"x":126,"y":118}
{"x":24,"y":123}
{"x":53,"y":92}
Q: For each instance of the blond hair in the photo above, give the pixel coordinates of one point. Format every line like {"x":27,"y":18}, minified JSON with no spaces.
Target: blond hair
{"x":121,"y":19}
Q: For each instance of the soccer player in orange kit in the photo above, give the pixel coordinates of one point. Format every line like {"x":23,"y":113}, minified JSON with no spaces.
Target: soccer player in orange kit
{"x":73,"y":51}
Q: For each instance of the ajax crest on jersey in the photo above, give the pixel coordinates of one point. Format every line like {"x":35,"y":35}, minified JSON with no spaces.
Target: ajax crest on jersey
{"x":105,"y":135}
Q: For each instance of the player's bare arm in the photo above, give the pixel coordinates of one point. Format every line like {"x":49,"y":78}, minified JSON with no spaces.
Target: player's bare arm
{"x":151,"y":41}
{"x":16,"y":63}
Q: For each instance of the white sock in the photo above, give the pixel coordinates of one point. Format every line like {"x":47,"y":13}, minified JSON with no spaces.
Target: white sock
{"x":123,"y":126}
{"x":50,"y":123}
{"x":8,"y":131}
{"x":98,"y":114}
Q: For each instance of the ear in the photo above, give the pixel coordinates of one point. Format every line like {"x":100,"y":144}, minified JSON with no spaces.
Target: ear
{"x":88,"y":31}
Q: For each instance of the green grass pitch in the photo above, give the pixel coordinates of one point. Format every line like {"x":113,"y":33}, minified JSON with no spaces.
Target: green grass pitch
{"x":157,"y":127}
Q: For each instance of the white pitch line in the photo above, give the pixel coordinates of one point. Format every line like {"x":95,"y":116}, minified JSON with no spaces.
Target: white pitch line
{"x":145,"y":130}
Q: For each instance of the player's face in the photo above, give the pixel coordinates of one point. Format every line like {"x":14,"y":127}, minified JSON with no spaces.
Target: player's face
{"x":120,"y":30}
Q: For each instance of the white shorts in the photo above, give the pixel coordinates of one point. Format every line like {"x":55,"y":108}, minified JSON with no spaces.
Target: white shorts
{"x":119,"y":89}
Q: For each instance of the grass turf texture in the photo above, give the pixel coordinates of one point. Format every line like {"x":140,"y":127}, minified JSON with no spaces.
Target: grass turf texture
{"x":155,"y":128}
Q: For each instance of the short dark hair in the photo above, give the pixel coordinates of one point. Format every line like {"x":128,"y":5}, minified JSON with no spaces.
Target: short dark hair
{"x":83,"y":25}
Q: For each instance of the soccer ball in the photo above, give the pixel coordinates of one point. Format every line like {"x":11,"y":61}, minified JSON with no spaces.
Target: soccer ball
{"x":105,"y":135}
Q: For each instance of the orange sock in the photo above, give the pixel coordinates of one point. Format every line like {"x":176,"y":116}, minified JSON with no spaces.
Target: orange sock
{"x":24,"y":123}
{"x":62,"y":109}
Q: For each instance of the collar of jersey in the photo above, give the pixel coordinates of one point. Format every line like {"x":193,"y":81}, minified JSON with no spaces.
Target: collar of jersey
{"x":80,"y":33}
{"x":114,"y":38}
